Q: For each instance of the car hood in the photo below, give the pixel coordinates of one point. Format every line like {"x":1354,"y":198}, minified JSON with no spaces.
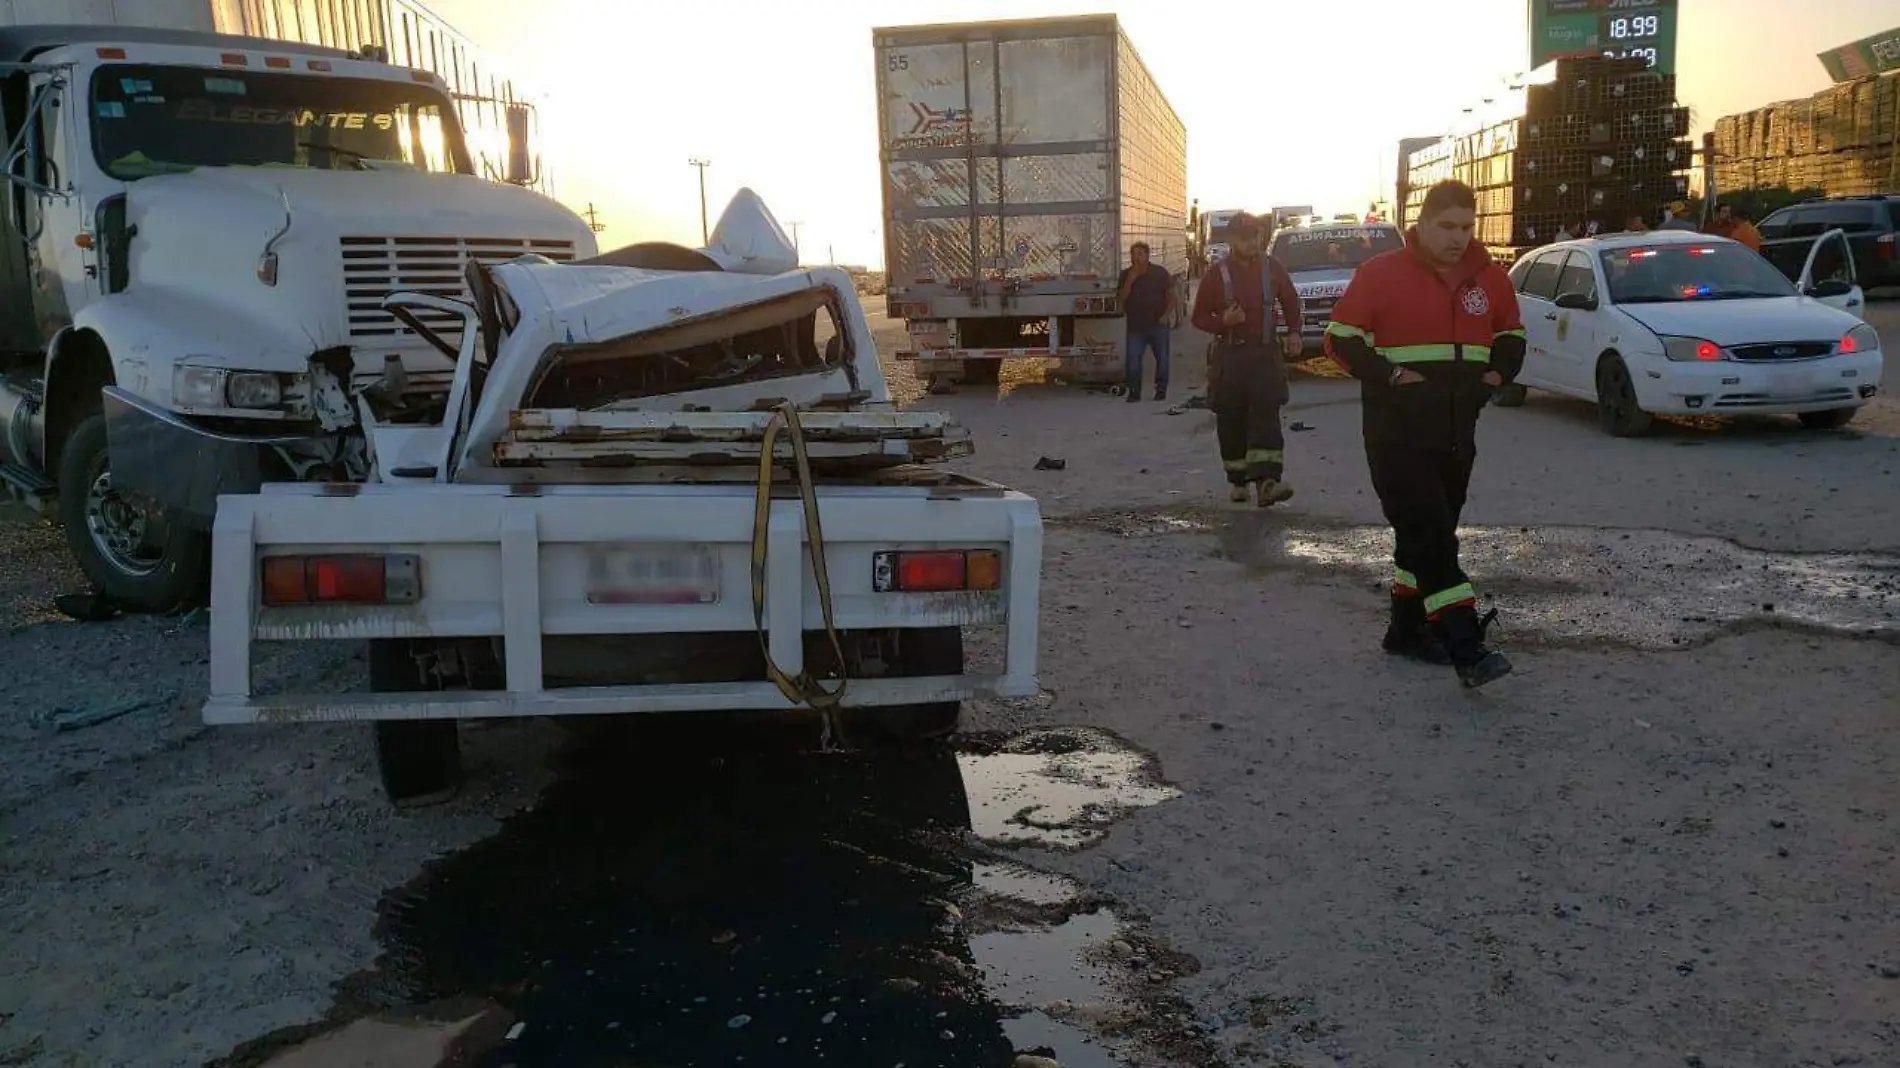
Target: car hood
{"x":1743,"y":322}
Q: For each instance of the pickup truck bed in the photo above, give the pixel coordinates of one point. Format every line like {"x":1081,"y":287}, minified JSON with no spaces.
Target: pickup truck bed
{"x":532,"y":565}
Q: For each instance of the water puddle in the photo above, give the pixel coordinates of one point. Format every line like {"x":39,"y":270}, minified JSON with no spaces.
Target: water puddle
{"x":1641,"y":588}
{"x":1060,"y":788}
{"x":692,"y":904}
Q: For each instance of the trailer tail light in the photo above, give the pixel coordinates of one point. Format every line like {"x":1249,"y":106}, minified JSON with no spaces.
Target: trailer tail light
{"x":234,"y":59}
{"x":1885,"y":246}
{"x":937,"y":571}
{"x":110,"y":53}
{"x":361,"y":578}
{"x":277,"y":62}
{"x":319,"y":64}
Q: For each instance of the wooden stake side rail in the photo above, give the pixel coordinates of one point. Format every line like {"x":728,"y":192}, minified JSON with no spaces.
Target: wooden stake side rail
{"x":854,"y":438}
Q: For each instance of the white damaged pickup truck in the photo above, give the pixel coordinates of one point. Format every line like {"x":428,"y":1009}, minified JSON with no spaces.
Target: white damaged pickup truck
{"x":664,"y":480}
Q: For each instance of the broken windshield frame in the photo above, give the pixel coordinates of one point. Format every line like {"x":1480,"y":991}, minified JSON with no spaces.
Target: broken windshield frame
{"x":152,"y":119}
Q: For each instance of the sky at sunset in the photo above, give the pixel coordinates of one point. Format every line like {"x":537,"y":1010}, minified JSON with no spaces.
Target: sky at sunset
{"x":1285,"y":102}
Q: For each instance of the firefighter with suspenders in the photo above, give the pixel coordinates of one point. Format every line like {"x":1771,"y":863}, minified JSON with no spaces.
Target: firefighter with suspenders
{"x":1246,"y":373}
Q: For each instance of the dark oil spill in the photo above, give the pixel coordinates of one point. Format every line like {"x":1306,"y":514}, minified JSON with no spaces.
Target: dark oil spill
{"x":721,"y":900}
{"x":1642,"y":588}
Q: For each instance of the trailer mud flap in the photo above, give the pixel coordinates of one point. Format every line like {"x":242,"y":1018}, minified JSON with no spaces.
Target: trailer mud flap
{"x":158,"y":458}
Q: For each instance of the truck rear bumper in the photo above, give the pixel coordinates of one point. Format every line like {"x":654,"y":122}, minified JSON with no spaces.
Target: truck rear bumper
{"x":601,"y":700}
{"x":499,"y":563}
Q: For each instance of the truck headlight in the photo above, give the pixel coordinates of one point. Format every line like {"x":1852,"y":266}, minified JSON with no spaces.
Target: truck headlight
{"x":215,"y":387}
{"x":245,"y":389}
{"x":198,"y":387}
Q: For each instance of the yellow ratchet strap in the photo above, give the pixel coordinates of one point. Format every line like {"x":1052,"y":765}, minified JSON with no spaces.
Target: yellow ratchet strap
{"x":803,"y":688}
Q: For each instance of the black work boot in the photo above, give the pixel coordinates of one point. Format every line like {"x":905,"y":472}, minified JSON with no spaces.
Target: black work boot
{"x":1462,"y":632}
{"x":1409,"y":634}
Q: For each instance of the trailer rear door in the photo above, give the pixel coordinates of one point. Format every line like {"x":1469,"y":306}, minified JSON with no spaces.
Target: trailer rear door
{"x":1025,"y":123}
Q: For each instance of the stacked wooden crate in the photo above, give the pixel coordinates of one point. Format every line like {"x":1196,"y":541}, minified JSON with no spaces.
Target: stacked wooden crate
{"x":1843,"y":141}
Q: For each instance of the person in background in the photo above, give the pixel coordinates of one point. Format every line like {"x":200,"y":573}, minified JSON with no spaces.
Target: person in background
{"x":1573,"y":230}
{"x":1148,"y":301}
{"x":1676,"y":217}
{"x":1636,"y":224}
{"x":1430,"y":331}
{"x":1246,"y":371}
{"x":1734,"y":227}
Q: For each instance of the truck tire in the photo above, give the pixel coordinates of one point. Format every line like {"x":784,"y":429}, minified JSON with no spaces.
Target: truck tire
{"x":920,"y":652}
{"x":420,"y":760}
{"x":131,"y":554}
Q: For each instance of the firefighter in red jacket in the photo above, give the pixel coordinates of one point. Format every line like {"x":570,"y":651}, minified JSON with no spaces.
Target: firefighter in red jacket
{"x":1431,"y":331}
{"x":1246,"y":372}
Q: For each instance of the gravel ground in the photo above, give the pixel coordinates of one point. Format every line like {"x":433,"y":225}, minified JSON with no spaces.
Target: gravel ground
{"x":1632,"y":852}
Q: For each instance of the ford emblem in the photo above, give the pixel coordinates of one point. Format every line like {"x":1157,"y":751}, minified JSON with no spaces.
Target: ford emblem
{"x":1785,"y":350}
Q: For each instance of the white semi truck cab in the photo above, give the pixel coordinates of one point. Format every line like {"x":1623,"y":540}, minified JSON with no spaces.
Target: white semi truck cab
{"x":198,"y":236}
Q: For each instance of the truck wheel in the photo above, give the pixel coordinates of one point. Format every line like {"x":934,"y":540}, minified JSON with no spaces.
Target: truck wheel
{"x":420,"y":760}
{"x":133,"y":554}
{"x":1511,"y":396}
{"x":1832,"y":419}
{"x":920,"y":652}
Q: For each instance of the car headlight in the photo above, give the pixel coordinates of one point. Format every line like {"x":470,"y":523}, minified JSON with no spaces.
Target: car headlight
{"x":215,"y":387}
{"x":1863,"y":338}
{"x":1692,"y":350}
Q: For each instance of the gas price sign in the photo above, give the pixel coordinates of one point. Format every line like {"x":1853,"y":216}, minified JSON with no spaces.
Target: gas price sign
{"x":1644,"y":29}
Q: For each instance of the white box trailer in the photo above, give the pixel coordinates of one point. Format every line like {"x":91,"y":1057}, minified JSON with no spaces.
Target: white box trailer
{"x":1021,"y":161}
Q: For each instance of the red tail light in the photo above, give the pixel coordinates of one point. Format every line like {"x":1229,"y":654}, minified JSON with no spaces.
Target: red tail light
{"x":341,"y":579}
{"x":938,"y":571}
{"x":1885,"y":246}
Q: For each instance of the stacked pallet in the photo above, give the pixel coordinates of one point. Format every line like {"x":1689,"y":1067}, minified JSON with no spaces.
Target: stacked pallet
{"x":1843,"y":141}
{"x":1604,"y":140}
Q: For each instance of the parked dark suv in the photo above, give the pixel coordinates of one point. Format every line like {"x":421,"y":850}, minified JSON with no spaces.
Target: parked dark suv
{"x":1872,"y":225}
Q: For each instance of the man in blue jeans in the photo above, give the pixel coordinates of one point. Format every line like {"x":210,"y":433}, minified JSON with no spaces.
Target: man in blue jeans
{"x":1148,"y":298}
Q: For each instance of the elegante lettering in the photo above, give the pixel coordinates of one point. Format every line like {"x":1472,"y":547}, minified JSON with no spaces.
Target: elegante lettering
{"x":251,"y":115}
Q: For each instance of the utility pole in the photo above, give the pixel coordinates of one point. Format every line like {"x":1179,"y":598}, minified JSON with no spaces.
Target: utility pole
{"x":593,"y":220}
{"x":795,"y":253}
{"x":705,"y":235}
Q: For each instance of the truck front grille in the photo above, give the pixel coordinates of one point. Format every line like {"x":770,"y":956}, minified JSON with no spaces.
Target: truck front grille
{"x":374,"y":267}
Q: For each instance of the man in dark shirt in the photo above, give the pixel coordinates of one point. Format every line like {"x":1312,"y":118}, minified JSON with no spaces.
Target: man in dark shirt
{"x":1147,"y":296}
{"x":1246,"y":372}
